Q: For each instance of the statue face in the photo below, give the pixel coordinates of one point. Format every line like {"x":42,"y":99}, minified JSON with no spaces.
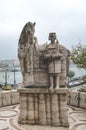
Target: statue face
{"x":52,"y":36}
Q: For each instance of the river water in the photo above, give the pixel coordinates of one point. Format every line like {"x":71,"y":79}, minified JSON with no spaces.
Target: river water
{"x":78,"y":72}
{"x":11,"y":77}
{"x":18,"y":75}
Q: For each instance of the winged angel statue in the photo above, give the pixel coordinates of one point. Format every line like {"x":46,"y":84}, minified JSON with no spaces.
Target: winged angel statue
{"x":42,"y":65}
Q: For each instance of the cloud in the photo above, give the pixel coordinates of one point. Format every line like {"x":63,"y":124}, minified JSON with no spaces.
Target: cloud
{"x":65,"y":17}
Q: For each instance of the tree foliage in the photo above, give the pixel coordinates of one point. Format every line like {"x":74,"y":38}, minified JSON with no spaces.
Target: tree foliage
{"x":71,"y":74}
{"x":78,"y":56}
{"x":84,"y":78}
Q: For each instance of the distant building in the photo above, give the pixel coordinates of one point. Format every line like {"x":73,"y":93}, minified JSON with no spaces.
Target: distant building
{"x":3,"y":65}
{"x":9,"y":64}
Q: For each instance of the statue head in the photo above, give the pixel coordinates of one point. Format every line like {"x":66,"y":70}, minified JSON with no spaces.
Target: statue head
{"x":30,"y":30}
{"x":27,"y":33}
{"x":52,"y":36}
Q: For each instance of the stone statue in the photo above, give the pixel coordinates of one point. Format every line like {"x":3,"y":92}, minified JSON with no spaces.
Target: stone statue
{"x":53,"y":58}
{"x":42,"y":65}
{"x":25,"y":50}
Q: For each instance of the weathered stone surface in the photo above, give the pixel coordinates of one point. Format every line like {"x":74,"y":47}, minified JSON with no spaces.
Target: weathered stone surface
{"x":55,"y":121}
{"x":14,"y":97}
{"x":74,"y":98}
{"x":31,"y":117}
{"x":48,"y":108}
{"x":6,"y":98}
{"x":43,"y":66}
{"x":22,"y":116}
{"x":41,"y":90}
{"x":68,"y":97}
{"x":23,"y":109}
{"x":53,"y":59}
{"x":36,"y":108}
{"x":63,"y":110}
{"x":0,"y":100}
{"x":42,"y":109}
{"x":9,"y":97}
{"x":82,"y":100}
{"x":23,"y":97}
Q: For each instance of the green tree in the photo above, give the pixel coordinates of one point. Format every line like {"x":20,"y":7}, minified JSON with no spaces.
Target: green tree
{"x":71,"y":75}
{"x":78,"y":56}
{"x":84,"y":78}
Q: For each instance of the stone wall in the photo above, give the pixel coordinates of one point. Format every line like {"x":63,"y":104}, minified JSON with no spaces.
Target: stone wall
{"x":77,"y":99}
{"x":9,"y":98}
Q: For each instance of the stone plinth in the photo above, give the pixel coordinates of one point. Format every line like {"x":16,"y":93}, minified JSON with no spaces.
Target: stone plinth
{"x":40,"y":106}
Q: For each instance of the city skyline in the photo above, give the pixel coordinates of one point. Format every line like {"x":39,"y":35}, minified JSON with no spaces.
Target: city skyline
{"x":66,"y":18}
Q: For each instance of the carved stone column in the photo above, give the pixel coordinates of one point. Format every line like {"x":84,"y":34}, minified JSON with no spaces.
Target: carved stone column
{"x":63,"y":110}
{"x":40,"y":106}
{"x":23,"y":108}
{"x":55,"y":110}
{"x":48,"y":109}
{"x":31,"y":119}
{"x":42,"y":109}
{"x":36,"y":108}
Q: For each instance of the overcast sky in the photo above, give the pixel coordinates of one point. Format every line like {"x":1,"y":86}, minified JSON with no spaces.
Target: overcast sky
{"x":65,"y":17}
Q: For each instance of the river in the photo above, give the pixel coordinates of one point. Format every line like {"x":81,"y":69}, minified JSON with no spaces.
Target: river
{"x":11,"y":77}
{"x":18,"y":75}
{"x":78,"y":72}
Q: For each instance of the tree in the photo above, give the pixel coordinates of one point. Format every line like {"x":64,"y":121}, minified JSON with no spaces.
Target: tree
{"x":71,"y":75}
{"x":78,"y":56}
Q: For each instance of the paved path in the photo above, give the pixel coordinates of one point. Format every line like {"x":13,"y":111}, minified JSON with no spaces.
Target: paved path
{"x":9,"y":118}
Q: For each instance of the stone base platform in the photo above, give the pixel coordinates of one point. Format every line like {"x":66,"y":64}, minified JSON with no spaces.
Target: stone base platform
{"x":40,"y":106}
{"x":9,"y":120}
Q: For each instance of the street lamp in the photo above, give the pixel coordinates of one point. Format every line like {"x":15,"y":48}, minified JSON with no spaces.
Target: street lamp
{"x":6,"y":77}
{"x":6,"y":86}
{"x":14,"y":76}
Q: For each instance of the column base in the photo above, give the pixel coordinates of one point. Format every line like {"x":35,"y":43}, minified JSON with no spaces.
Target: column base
{"x":42,"y":106}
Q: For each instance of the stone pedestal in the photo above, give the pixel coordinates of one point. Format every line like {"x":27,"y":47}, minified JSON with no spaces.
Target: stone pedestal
{"x":40,"y":106}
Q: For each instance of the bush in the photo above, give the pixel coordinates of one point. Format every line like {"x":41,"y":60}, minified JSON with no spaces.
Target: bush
{"x":6,"y":87}
{"x":83,"y":89}
{"x":84,"y":78}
